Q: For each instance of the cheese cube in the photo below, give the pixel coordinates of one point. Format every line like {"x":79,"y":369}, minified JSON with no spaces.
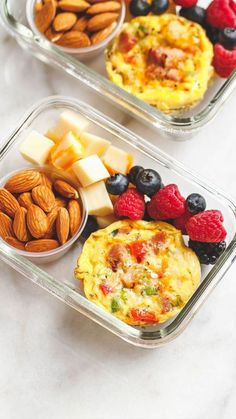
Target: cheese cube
{"x":90,"y":170}
{"x":68,"y":121}
{"x":105,"y":221}
{"x":67,"y":152}
{"x":36,"y":148}
{"x":117,"y":160}
{"x":94,"y":144}
{"x":97,"y":199}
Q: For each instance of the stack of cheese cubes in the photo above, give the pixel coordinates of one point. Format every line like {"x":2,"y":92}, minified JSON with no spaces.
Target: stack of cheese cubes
{"x":91,"y":159}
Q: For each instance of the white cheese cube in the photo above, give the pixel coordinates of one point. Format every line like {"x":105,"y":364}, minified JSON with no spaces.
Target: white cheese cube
{"x":94,"y":144}
{"x":97,"y":199}
{"x":68,"y":121}
{"x":90,"y":170}
{"x":105,"y":221}
{"x":117,"y":160}
{"x":67,"y":152}
{"x":36,"y":148}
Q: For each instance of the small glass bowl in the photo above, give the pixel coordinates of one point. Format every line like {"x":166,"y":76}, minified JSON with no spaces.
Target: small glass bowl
{"x":52,"y":255}
{"x":81,"y":53}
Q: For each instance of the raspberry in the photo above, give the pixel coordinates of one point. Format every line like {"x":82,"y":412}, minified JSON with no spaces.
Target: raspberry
{"x":224,"y":60}
{"x":186,"y":3}
{"x":130,"y":204}
{"x":221,"y":14}
{"x":180,"y":222}
{"x":167,"y":203}
{"x":206,"y":227}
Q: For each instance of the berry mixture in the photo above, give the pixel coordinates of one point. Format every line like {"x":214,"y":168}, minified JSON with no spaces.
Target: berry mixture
{"x":219,"y":21}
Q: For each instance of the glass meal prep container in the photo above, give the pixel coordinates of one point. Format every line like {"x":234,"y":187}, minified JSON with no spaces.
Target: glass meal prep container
{"x":93,"y":74}
{"x":57,"y":277}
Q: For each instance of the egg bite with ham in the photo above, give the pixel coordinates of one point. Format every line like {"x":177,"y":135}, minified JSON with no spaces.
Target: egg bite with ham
{"x":139,"y":271}
{"x":163,"y":60}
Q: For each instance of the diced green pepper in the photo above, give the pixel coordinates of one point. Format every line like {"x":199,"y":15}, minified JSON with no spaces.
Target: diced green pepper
{"x":151,"y":291}
{"x":115,"y":306}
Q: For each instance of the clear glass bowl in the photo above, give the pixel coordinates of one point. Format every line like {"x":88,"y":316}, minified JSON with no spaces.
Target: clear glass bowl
{"x":80,"y":53}
{"x":55,"y":254}
{"x":93,"y":74}
{"x":57,"y":277}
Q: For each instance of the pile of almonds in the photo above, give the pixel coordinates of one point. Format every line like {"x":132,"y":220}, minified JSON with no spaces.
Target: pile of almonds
{"x":38,"y":214}
{"x":76,"y":23}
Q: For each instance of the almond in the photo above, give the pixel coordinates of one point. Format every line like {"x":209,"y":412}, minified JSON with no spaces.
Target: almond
{"x":103,"y":34}
{"x":51,"y":230}
{"x":60,"y":202}
{"x":20,"y":226}
{"x":73,"y":5}
{"x":65,"y":189}
{"x":14,"y":242}
{"x":101,"y":21}
{"x":6,"y":228}
{"x":64,"y":21}
{"x":23,"y":181}
{"x":8,"y":203}
{"x":37,"y":221}
{"x":103,"y":7}
{"x":25,"y":199}
{"x":45,"y":16}
{"x":42,"y":245}
{"x":62,"y":225}
{"x":44,"y":198}
{"x":45,"y":180}
{"x":75,"y":216}
{"x":81,"y":24}
{"x":52,"y":35}
{"x":38,"y":6}
{"x":74,"y":39}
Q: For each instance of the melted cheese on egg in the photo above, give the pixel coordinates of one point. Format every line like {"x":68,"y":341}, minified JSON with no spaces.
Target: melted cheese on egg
{"x":139,"y":271}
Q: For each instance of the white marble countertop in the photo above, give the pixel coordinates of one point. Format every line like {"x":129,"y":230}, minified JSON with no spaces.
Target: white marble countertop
{"x":57,"y":364}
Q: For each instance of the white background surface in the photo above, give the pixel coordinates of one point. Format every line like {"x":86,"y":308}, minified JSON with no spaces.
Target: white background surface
{"x":55,"y":363}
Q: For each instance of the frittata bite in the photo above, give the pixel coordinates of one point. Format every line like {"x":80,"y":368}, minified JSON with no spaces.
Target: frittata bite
{"x":163,"y":60}
{"x":140,"y":271}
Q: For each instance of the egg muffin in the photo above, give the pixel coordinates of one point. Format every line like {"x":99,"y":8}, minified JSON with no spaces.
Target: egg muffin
{"x":163,"y":60}
{"x":140,"y":271}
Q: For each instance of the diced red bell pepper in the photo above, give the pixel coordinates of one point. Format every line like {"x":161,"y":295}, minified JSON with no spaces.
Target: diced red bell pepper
{"x":143,"y":315}
{"x":139,"y":250}
{"x":105,"y":288}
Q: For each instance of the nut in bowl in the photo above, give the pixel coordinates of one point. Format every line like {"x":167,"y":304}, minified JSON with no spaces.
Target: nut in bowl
{"x":81,"y":28}
{"x":41,"y":213}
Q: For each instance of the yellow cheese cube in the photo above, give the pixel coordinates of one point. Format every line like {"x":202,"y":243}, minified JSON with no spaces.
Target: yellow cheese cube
{"x":36,"y":148}
{"x":105,"y":221}
{"x":90,"y":170}
{"x":97,"y":199}
{"x":117,"y":160}
{"x":67,"y":152}
{"x":68,"y":121}
{"x":94,"y":144}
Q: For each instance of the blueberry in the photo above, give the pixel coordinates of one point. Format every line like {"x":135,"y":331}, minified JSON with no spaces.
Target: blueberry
{"x":195,"y":203}
{"x":90,"y":227}
{"x":117,"y":184}
{"x":208,"y":253}
{"x":134,"y":172}
{"x":212,"y":33}
{"x":160,"y":6}
{"x":139,"y":7}
{"x":228,"y":37}
{"x":195,"y":13}
{"x":148,"y":182}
